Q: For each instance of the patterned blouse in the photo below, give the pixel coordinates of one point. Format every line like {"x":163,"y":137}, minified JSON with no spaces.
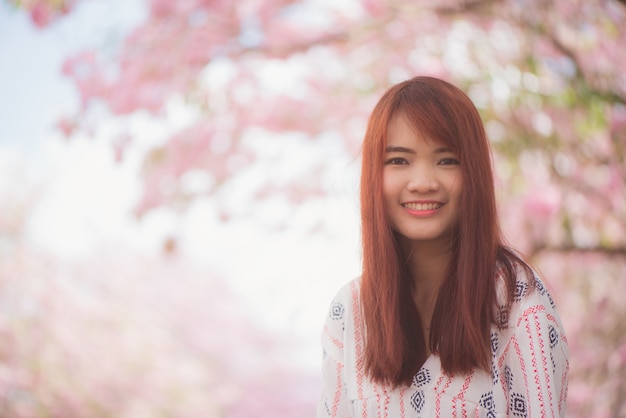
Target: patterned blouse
{"x":528,"y":376}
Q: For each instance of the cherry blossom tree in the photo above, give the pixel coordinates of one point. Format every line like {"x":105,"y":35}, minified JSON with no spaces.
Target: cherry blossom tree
{"x":128,"y":335}
{"x":43,"y":12}
{"x":547,"y":77}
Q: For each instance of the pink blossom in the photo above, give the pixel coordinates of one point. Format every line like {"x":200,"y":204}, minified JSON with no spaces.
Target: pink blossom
{"x":44,"y":12}
{"x":374,"y":7}
{"x":66,"y":126}
{"x":542,"y":204}
{"x":40,"y":14}
{"x":119,"y":146}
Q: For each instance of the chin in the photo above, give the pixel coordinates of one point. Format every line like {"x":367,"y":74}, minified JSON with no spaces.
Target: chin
{"x":426,"y":236}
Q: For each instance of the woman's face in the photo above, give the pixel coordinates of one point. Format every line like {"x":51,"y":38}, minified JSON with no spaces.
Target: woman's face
{"x":421,"y":184}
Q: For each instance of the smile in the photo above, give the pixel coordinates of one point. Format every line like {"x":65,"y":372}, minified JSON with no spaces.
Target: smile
{"x":422,"y":206}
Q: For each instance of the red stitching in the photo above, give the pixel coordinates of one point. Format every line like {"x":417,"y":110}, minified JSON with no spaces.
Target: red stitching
{"x":357,"y":339}
{"x":544,"y":360}
{"x":438,"y":398}
{"x":531,"y":310}
{"x":377,"y":399}
{"x":518,"y":351}
{"x":336,"y":342}
{"x":386,"y":402}
{"x":533,"y":357}
{"x":337,"y":398}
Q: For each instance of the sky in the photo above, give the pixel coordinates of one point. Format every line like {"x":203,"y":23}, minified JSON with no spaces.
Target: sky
{"x":84,"y":194}
{"x":79,"y":199}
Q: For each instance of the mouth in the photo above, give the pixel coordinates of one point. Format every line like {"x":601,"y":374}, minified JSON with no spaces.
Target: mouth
{"x":428,"y":206}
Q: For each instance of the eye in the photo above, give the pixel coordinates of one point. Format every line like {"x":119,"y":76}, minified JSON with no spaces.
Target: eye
{"x":449,"y":161}
{"x":396,"y":161}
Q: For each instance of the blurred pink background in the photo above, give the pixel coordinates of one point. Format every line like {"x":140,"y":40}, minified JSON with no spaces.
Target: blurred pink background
{"x":179,"y":181}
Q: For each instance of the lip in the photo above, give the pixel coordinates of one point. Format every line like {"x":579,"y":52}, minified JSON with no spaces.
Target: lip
{"x":422,"y":208}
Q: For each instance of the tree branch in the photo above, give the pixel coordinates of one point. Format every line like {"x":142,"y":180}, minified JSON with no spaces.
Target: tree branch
{"x":619,"y":252}
{"x":608,"y":96}
{"x":477,"y":6}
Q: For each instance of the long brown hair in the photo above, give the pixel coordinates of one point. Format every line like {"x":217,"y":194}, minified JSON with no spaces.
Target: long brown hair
{"x":466,"y":307}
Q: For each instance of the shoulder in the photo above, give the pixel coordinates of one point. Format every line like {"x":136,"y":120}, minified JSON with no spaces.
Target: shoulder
{"x":345,"y":301}
{"x":531,"y":319}
{"x":519,"y":287}
{"x":530,"y":354}
{"x":340,"y":319}
{"x":532,"y":309}
{"x":531,"y":296}
{"x":347,"y":292}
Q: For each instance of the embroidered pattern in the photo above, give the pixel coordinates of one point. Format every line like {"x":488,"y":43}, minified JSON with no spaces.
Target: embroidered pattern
{"x":539,"y":286}
{"x":518,"y":405}
{"x":358,"y":340}
{"x":487,"y":402}
{"x":503,"y":316}
{"x":421,"y":378}
{"x":554,"y":336}
{"x":336,"y":311}
{"x":495,"y":373}
{"x":508,"y":378}
{"x":494,"y":344}
{"x":337,"y":398}
{"x":521,"y":288}
{"x":528,"y":375}
{"x":417,"y":401}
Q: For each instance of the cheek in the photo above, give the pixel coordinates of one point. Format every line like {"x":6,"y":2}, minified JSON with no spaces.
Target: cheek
{"x":390,"y":194}
{"x":456,"y":185}
{"x":388,"y":186}
{"x":455,"y":189}
{"x":394,"y":178}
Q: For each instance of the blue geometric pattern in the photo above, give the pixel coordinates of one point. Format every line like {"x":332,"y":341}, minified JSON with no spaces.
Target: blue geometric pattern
{"x":421,"y":378}
{"x":543,"y":291}
{"x":518,"y":405}
{"x":520,"y":291}
{"x":539,"y":286}
{"x":508,"y":377}
{"x":336,"y":311}
{"x":487,"y":402}
{"x":503,"y":316}
{"x":494,"y":344}
{"x":418,"y":400}
{"x":495,"y":373}
{"x":554,"y":336}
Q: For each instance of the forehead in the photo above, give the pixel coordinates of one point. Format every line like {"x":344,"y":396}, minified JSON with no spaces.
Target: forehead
{"x":401,"y":129}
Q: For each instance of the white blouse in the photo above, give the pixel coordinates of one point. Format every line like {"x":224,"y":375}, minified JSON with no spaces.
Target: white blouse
{"x":528,"y":376}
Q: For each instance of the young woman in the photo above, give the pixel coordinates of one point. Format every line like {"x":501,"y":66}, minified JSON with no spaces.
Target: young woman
{"x":445,"y":320}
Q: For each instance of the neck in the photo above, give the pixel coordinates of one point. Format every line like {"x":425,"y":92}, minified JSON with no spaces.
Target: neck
{"x":428,"y":265}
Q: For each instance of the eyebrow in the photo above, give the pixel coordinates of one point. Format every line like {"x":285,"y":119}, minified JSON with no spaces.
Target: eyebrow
{"x":392,"y":148}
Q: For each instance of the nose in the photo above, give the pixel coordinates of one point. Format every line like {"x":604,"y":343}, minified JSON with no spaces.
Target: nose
{"x":423,"y":179}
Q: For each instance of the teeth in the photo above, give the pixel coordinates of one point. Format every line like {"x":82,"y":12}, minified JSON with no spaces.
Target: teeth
{"x":422,"y":206}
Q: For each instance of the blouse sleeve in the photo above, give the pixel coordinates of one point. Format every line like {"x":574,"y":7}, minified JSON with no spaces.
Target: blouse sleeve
{"x":537,"y":365}
{"x":333,"y":401}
